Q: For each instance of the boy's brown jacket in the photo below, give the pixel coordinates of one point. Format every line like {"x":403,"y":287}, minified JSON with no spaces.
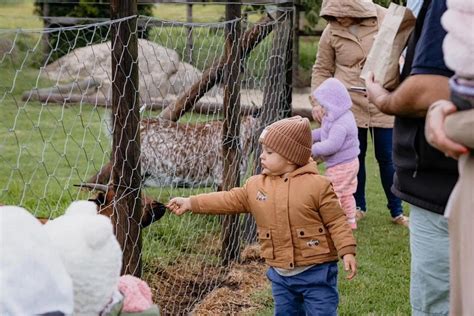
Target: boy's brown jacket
{"x":299,"y":219}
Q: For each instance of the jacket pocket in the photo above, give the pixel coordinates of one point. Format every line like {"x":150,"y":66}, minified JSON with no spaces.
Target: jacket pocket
{"x":266,"y":243}
{"x":312,"y":240}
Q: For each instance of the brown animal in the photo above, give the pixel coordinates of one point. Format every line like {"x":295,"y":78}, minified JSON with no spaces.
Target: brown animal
{"x":151,"y":210}
{"x":185,"y":155}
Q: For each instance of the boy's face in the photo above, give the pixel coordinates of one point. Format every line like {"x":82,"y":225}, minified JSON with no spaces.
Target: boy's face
{"x":273,"y":164}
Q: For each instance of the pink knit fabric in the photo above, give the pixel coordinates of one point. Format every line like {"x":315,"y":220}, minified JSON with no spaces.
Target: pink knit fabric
{"x":137,"y":294}
{"x":344,"y":180}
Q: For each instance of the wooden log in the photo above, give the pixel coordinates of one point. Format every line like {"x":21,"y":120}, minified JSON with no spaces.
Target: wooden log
{"x":202,"y":107}
{"x":250,"y":39}
{"x":82,"y":87}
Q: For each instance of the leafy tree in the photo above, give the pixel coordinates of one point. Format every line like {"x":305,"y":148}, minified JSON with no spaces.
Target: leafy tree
{"x":62,"y":42}
{"x":312,"y":8}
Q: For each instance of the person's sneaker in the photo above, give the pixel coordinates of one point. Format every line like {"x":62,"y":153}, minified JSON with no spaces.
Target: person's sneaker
{"x":359,"y":214}
{"x":401,"y":220}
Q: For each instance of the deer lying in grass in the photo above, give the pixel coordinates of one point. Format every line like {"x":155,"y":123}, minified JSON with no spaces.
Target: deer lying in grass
{"x":184,"y":155}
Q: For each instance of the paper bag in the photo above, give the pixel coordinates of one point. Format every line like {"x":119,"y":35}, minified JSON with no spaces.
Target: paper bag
{"x":391,"y":39}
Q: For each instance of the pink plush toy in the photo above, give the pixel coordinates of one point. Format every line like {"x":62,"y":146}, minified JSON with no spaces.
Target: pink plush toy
{"x":137,"y":294}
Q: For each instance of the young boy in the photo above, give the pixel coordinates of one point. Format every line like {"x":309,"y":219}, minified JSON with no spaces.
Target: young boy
{"x":300,"y":224}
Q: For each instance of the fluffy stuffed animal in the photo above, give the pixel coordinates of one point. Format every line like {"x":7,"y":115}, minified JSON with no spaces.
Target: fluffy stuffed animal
{"x":91,"y":254}
{"x":33,"y":279}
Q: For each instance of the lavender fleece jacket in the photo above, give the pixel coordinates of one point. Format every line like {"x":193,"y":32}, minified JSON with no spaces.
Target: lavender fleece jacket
{"x":337,"y":140}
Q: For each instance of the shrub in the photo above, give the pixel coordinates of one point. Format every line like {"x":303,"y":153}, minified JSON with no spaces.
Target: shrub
{"x":61,"y":43}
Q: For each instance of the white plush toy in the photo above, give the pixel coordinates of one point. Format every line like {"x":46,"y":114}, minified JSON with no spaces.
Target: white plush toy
{"x":33,"y":279}
{"x":91,"y":254}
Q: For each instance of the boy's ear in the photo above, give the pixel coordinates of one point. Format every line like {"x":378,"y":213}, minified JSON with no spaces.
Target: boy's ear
{"x":290,"y":162}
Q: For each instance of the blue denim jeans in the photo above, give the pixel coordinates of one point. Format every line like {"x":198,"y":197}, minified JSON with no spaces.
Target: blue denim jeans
{"x":429,"y":277}
{"x":382,"y":140}
{"x":312,"y":292}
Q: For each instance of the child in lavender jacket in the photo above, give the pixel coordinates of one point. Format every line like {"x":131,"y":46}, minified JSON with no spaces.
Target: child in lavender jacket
{"x":336,"y":142}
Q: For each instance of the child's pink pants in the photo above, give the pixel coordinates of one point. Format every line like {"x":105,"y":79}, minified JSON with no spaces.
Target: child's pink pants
{"x":344,"y":181}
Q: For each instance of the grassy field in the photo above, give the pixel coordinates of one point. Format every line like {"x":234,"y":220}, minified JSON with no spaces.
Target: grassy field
{"x":45,"y":149}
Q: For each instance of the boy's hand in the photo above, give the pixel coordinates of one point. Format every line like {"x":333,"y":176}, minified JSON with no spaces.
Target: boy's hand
{"x":179,"y":205}
{"x":350,"y":264}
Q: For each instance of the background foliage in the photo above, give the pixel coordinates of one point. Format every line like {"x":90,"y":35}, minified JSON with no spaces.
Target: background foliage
{"x":312,"y":8}
{"x":62,"y":42}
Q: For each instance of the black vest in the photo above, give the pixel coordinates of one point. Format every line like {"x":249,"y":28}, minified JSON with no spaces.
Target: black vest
{"x":424,"y":177}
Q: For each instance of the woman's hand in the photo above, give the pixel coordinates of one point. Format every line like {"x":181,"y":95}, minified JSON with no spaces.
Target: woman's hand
{"x":317,"y":111}
{"x":179,"y":205}
{"x":436,"y":134}
{"x":350,"y":264}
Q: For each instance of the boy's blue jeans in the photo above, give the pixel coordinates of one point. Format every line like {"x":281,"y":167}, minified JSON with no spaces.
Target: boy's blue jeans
{"x":382,"y":140}
{"x":312,"y":292}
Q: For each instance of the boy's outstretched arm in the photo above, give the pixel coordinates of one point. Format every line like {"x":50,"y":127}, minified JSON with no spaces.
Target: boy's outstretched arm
{"x":350,"y":264}
{"x":179,"y":205}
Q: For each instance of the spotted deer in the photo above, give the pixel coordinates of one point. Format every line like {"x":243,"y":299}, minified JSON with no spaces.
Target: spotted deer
{"x":185,"y":154}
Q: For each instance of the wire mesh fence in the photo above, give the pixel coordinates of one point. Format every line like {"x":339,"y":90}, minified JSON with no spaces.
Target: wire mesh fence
{"x":57,"y":127}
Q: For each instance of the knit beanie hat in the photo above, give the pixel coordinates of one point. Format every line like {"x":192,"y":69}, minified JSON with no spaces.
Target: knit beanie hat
{"x":291,"y":138}
{"x":33,"y":278}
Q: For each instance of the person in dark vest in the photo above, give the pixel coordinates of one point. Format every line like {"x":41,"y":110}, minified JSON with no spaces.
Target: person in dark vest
{"x":424,"y":176}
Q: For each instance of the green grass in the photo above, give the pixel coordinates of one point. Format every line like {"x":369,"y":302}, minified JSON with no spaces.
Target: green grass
{"x":45,"y":149}
{"x":18,"y":14}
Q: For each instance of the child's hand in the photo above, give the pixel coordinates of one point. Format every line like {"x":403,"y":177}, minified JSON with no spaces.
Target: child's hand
{"x":317,"y":110}
{"x":179,"y":205}
{"x":350,"y":264}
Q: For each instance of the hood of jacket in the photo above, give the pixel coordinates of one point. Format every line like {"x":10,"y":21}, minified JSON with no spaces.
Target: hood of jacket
{"x":363,"y":9}
{"x":333,"y":96}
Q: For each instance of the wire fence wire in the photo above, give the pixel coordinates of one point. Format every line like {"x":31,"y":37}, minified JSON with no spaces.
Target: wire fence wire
{"x":55,"y":99}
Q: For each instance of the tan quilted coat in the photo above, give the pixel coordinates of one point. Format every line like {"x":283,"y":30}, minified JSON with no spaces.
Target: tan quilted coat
{"x":342,"y":55}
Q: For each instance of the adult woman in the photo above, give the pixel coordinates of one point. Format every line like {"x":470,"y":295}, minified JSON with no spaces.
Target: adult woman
{"x":343,"y":48}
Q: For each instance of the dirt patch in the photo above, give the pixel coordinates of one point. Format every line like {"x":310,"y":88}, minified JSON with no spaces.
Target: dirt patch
{"x":235,"y":295}
{"x":184,"y":289}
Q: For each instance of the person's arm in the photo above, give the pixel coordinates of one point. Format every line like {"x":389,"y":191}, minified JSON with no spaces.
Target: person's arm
{"x":335,"y":221}
{"x":459,"y":127}
{"x":224,"y":202}
{"x":412,"y":98}
{"x":316,"y":134}
{"x":435,"y":131}
{"x":323,"y":68}
{"x":325,"y":64}
{"x":332,"y":144}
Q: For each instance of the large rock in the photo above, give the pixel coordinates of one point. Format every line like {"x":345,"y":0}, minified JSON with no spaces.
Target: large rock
{"x":161,"y":74}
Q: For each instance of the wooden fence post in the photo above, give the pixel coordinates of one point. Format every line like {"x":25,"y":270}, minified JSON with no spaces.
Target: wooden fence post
{"x":277,"y":88}
{"x":189,"y":33}
{"x":126,"y":170}
{"x":277,"y":92}
{"x":230,"y":250}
